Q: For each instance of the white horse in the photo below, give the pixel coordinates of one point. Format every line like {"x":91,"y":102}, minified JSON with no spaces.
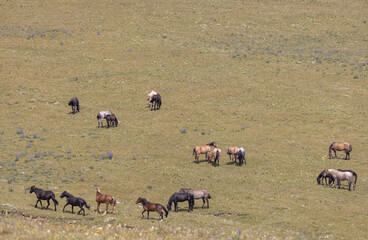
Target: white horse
{"x":150,"y":95}
{"x":101,"y":115}
{"x":241,"y":156}
{"x":340,"y":175}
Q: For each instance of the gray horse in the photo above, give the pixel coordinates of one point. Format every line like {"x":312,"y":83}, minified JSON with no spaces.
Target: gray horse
{"x":341,"y":175}
{"x":198,"y":194}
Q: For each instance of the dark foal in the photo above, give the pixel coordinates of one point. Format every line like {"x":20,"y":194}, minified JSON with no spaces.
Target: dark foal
{"x":181,"y":197}
{"x":74,"y":201}
{"x":44,"y":195}
{"x":112,"y":121}
{"x":156,"y":102}
{"x":148,"y":207}
{"x":330,"y":179}
{"x":75,"y":104}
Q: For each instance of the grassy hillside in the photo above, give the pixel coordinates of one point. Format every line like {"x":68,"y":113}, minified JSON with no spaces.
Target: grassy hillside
{"x":283,"y":79}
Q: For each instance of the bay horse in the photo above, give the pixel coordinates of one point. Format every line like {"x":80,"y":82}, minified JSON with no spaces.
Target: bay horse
{"x":340,"y":146}
{"x":105,"y":198}
{"x":181,"y":197}
{"x":203,"y":150}
{"x":342,"y":175}
{"x":216,"y":153}
{"x":241,"y":156}
{"x":232,"y":152}
{"x":150,"y":95}
{"x":74,"y":201}
{"x":44,"y":195}
{"x":101,"y":115}
{"x":148,"y":207}
{"x":75,"y":104}
{"x":330,"y":178}
{"x":112,"y":121}
{"x":156,"y":102}
{"x":198,"y":194}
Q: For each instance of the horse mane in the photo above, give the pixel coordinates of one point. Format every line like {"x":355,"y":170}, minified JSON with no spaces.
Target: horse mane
{"x":98,"y":190}
{"x":211,"y":143}
{"x":171,"y":200}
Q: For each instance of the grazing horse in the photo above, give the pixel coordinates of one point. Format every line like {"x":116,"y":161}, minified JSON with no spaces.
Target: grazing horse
{"x":104,"y":198}
{"x":150,"y":95}
{"x":340,"y":146}
{"x":147,"y":206}
{"x":203,"y":150}
{"x":181,"y":197}
{"x":339,"y":176}
{"x":74,"y":103}
{"x":44,"y":195}
{"x":111,"y":120}
{"x":101,"y":115}
{"x":216,"y":153}
{"x":198,"y":194}
{"x":232,"y":151}
{"x":74,"y":201}
{"x":156,"y":102}
{"x":241,"y":156}
{"x":330,"y":179}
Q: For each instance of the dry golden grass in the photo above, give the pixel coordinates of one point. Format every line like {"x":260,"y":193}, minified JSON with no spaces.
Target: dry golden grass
{"x":282,"y":78}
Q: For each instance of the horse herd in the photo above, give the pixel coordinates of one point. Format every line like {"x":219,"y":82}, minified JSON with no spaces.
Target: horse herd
{"x":233,"y":152}
{"x":184,"y":194}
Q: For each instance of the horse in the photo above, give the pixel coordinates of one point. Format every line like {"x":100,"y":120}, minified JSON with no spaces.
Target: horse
{"x":101,"y":115}
{"x":147,"y":206}
{"x":156,"y":102}
{"x":104,"y":198}
{"x":150,"y":95}
{"x":232,"y":151}
{"x":203,"y":150}
{"x":181,"y":197}
{"x":340,"y":146}
{"x":342,"y":175}
{"x":215,"y":153}
{"x":44,"y":195}
{"x":198,"y":194}
{"x":330,"y":179}
{"x":112,"y":121}
{"x":74,"y":103}
{"x":74,"y":201}
{"x":241,"y":156}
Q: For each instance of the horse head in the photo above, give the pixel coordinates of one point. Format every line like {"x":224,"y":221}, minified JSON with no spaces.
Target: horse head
{"x":140,"y":200}
{"x":65,"y":194}
{"x":32,"y":189}
{"x":325,"y":172}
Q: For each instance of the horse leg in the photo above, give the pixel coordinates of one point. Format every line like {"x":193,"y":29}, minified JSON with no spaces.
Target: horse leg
{"x":143,"y":213}
{"x":72,"y":208}
{"x":204,"y":201}
{"x":98,"y":207}
{"x":37,"y":203}
{"x":208,"y":203}
{"x":107,"y":206}
{"x":335,"y":153}
{"x":349,"y":185}
{"x":147,"y":214}
{"x":48,"y":203}
{"x":65,"y":206}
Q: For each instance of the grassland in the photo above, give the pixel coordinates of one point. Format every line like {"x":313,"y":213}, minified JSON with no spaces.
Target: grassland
{"x":282,"y":78}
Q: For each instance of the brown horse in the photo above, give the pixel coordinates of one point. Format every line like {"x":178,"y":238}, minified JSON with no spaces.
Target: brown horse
{"x":147,"y":206}
{"x":232,"y":151}
{"x":204,"y":149}
{"x":105,"y":198}
{"x":112,"y":121}
{"x":216,"y":153}
{"x":340,"y":146}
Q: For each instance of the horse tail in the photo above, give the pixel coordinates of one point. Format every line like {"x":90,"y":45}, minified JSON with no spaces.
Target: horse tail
{"x":209,"y":196}
{"x":330,"y":148}
{"x":350,"y":148}
{"x":55,"y":201}
{"x":113,"y":201}
{"x":85,"y":203}
{"x":356,"y":177}
{"x":217,"y":155}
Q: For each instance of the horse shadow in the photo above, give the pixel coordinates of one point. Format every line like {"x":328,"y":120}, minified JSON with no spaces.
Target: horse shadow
{"x":232,"y":163}
{"x":199,"y":161}
{"x":43,"y":207}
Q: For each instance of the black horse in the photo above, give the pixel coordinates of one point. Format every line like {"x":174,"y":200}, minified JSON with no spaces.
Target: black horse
{"x":44,"y":195}
{"x":112,"y":121}
{"x":74,"y":103}
{"x":74,"y":201}
{"x":181,"y":197}
{"x":156,"y":101}
{"x":330,"y":179}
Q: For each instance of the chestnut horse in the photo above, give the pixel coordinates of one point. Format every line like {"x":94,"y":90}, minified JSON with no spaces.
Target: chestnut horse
{"x":105,"y":198}
{"x":340,"y":146}
{"x":232,"y":151}
{"x":147,"y":206}
{"x":203,"y":150}
{"x":216,"y":153}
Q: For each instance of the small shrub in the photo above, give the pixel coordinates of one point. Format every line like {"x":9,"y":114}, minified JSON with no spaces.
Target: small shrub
{"x":20,"y":131}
